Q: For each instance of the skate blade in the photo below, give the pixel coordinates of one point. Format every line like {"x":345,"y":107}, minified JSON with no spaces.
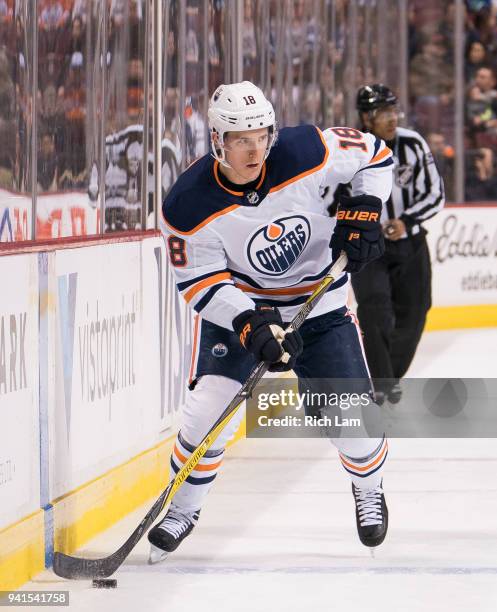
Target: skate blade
{"x":156,"y":555}
{"x":372,"y":552}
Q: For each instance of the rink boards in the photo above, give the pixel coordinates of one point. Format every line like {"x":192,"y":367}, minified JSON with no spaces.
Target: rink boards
{"x":94,"y":346}
{"x":463,"y":248}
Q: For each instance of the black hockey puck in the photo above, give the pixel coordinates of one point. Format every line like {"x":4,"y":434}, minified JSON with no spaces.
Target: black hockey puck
{"x":104,"y":583}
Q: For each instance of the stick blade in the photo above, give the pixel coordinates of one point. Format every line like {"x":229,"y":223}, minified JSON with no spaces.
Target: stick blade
{"x":76,"y":568}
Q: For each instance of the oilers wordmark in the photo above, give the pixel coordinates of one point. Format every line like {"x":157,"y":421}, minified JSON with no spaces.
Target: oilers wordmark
{"x":274,"y":248}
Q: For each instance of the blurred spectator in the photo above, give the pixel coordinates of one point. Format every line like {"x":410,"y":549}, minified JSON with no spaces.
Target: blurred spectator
{"x":443,"y":154}
{"x":118,"y":10}
{"x":4,"y":9}
{"x":135,"y":91}
{"x":47,"y":173}
{"x":7,"y":121}
{"x":124,"y":152}
{"x":51,"y":117}
{"x":311,"y":111}
{"x":476,"y":58}
{"x":430,"y":71}
{"x":195,"y":129}
{"x":171,"y":163}
{"x":482,"y":107}
{"x":74,"y":104}
{"x":134,"y":157}
{"x":81,"y":9}
{"x":438,"y":115}
{"x":136,"y":38}
{"x":52,"y":15}
{"x":481,"y":27}
{"x":192,"y":51}
{"x":70,"y":42}
{"x":6,"y":16}
{"x":481,"y":182}
{"x":7,"y":89}
{"x":172,"y":60}
{"x":333,"y":100}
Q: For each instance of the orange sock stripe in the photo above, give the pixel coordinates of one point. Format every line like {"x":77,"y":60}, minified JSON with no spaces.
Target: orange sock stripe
{"x":367,"y":467}
{"x":199,"y":467}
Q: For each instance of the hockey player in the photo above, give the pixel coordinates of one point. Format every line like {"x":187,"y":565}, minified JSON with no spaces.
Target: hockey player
{"x":249,"y":238}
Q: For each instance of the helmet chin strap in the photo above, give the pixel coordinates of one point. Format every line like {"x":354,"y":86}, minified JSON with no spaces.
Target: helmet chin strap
{"x":223,"y":162}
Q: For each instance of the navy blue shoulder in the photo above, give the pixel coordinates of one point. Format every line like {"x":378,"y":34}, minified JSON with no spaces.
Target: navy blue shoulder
{"x":194,"y":197}
{"x":298,"y":149}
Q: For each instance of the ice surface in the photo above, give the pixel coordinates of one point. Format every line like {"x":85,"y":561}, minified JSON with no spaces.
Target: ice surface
{"x":278,"y":530}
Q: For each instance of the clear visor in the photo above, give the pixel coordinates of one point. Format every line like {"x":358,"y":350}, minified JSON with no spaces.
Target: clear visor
{"x":387,"y":113}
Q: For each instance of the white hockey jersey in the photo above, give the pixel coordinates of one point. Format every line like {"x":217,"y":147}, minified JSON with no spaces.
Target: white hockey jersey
{"x":233,"y":249}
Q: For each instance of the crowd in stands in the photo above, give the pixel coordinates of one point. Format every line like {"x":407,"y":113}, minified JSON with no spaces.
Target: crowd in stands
{"x":432,"y":90}
{"x":69,"y":86}
{"x":300,"y":52}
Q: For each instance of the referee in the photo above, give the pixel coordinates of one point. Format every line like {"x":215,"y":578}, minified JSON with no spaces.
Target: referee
{"x":394,"y":292}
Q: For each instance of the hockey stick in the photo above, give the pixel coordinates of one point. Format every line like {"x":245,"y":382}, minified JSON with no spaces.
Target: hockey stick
{"x":77,"y":567}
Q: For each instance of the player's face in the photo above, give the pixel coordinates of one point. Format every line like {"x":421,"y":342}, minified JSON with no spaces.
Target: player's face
{"x":245,"y":154}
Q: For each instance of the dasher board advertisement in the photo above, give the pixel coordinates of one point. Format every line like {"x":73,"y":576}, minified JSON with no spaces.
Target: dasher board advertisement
{"x":107,"y":361}
{"x":19,"y":409}
{"x":463,"y":247}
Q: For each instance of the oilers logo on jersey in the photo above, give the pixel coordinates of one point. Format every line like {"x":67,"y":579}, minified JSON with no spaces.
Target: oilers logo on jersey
{"x":275,"y":247}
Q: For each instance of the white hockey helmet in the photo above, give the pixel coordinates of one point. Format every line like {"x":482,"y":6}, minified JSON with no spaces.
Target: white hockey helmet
{"x":236,"y":108}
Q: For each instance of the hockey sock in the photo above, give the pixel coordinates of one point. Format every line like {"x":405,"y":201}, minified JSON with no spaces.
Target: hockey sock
{"x":366,"y":470}
{"x":191,"y":494}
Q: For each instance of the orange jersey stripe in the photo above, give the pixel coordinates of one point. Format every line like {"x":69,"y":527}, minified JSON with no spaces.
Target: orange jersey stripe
{"x":381,"y":155}
{"x":207,"y":282}
{"x":263,"y":176}
{"x":283,"y":291}
{"x":237,"y":193}
{"x":370,"y":465}
{"x":307,"y":172}
{"x":197,"y":468}
{"x":216,"y":176}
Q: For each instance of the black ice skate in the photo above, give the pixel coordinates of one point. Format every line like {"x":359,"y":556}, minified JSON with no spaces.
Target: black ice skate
{"x":170,"y":532}
{"x":371,"y":515}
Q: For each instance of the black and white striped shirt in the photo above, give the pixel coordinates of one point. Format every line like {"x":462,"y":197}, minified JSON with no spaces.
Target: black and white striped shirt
{"x":418,"y":190}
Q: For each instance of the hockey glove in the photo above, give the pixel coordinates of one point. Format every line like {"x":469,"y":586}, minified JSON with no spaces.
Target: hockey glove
{"x":358,"y":231}
{"x":261,"y":332}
